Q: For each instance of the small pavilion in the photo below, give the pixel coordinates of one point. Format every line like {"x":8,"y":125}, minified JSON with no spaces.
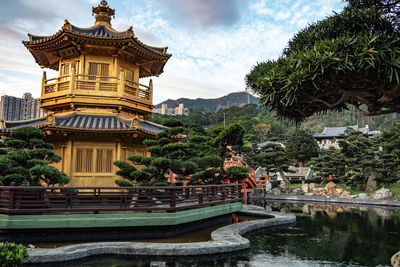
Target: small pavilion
{"x":97,"y":109}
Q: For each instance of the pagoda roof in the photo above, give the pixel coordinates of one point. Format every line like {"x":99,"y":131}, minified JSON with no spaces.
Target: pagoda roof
{"x":87,"y":122}
{"x":99,"y":32}
{"x":71,"y":40}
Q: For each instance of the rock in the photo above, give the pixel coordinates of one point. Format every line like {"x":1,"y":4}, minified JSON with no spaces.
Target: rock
{"x":382,"y":193}
{"x":398,"y":182}
{"x":339,"y":191}
{"x":311,"y":187}
{"x":372,"y":183}
{"x":297,"y":191}
{"x":369,"y":189}
{"x":309,"y":194}
{"x":330,"y":188}
{"x":319,"y":191}
{"x":362,"y":196}
{"x":395,"y":260}
{"x":275,"y":191}
{"x":305,"y":188}
{"x":345,"y":194}
{"x":31,"y":246}
{"x":284,"y":187}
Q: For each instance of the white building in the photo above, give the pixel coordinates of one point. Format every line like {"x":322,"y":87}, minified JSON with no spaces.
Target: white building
{"x":179,"y":110}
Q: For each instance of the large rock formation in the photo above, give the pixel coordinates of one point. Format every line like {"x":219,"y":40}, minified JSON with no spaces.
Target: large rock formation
{"x":330,"y":188}
{"x":382,"y":193}
{"x":305,"y":188}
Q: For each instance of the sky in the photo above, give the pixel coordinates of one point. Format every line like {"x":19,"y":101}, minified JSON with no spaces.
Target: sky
{"x":214,"y":43}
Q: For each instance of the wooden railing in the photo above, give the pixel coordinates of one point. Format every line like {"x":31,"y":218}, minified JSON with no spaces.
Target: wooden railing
{"x":56,"y":200}
{"x":85,"y":82}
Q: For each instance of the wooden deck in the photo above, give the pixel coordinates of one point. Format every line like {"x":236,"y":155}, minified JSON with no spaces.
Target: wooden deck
{"x":58,"y":200}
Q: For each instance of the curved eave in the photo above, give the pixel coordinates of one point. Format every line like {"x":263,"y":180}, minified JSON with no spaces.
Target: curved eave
{"x":50,"y":40}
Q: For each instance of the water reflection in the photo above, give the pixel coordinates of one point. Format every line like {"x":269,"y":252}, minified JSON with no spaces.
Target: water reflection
{"x":337,"y":234}
{"x":324,"y":235}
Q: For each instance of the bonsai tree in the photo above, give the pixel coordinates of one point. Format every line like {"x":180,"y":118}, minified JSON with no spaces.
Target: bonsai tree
{"x":330,"y":162}
{"x":388,"y":166}
{"x":195,"y":159}
{"x":360,"y":154}
{"x":301,"y":146}
{"x":25,"y":159}
{"x":272,"y":156}
{"x":349,"y":58}
{"x":155,"y":167}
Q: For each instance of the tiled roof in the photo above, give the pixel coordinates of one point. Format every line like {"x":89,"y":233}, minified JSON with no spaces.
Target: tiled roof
{"x":98,"y":122}
{"x":17,"y":124}
{"x":88,"y":122}
{"x":339,"y":131}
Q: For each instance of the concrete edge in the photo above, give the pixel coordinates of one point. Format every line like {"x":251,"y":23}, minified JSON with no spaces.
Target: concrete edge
{"x":64,"y":221}
{"x":332,"y":200}
{"x":225,"y":239}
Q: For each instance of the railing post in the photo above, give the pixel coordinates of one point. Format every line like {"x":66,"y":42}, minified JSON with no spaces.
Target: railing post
{"x":201,"y":196}
{"x":11,"y":198}
{"x":173,"y":198}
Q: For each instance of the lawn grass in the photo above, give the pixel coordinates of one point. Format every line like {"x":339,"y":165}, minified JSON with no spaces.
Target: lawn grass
{"x":294,"y":186}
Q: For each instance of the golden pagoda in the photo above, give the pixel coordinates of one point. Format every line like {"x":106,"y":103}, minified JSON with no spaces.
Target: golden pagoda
{"x":96,"y":107}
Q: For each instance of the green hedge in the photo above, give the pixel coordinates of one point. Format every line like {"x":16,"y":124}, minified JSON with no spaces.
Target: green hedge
{"x":12,"y":254}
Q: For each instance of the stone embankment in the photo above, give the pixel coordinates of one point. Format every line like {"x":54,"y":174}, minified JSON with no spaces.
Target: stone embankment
{"x":226,"y":239}
{"x":328,"y":194}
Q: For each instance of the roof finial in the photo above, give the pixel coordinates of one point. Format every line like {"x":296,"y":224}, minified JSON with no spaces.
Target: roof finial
{"x":103,"y":13}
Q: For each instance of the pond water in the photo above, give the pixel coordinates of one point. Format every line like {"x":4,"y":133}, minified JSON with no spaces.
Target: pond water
{"x":322,"y":236}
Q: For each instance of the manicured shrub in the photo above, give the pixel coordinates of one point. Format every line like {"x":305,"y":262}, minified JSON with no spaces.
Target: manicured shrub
{"x":12,"y":254}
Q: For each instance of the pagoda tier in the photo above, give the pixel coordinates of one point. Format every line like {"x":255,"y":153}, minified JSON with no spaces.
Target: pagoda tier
{"x":99,"y":68}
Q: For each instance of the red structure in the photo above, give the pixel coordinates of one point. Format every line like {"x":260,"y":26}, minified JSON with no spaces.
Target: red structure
{"x":250,"y":182}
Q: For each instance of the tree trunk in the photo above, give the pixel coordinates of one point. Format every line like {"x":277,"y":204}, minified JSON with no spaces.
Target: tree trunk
{"x":284,"y":176}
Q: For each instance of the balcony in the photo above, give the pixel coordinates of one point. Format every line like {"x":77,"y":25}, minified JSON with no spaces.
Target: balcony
{"x":90,"y":86}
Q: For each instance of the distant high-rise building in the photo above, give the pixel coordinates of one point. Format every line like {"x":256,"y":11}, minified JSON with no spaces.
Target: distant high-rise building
{"x":15,"y":109}
{"x":179,"y":110}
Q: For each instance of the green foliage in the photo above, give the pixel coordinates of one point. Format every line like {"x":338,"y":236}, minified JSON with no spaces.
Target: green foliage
{"x":360,"y":155}
{"x":352,"y":57}
{"x":330,"y":162}
{"x":26,"y":157}
{"x":388,"y":166}
{"x":12,"y":254}
{"x":199,"y":159}
{"x":272,"y":156}
{"x":301,"y":146}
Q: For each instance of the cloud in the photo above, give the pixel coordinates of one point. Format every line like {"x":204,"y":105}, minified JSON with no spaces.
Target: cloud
{"x":208,"y":60}
{"x":205,"y":13}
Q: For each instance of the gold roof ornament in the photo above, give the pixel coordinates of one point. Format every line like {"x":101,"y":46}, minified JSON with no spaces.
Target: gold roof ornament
{"x":103,"y":13}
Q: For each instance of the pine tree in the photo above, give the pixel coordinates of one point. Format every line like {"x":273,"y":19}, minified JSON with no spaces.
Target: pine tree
{"x":330,"y":162}
{"x":198,"y":159}
{"x":360,"y":155}
{"x":272,"y":156}
{"x":301,"y":146}
{"x":25,"y":159}
{"x":389,"y":155}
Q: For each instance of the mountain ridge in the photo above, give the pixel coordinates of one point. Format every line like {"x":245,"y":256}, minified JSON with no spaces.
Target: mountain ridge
{"x":212,"y":104}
